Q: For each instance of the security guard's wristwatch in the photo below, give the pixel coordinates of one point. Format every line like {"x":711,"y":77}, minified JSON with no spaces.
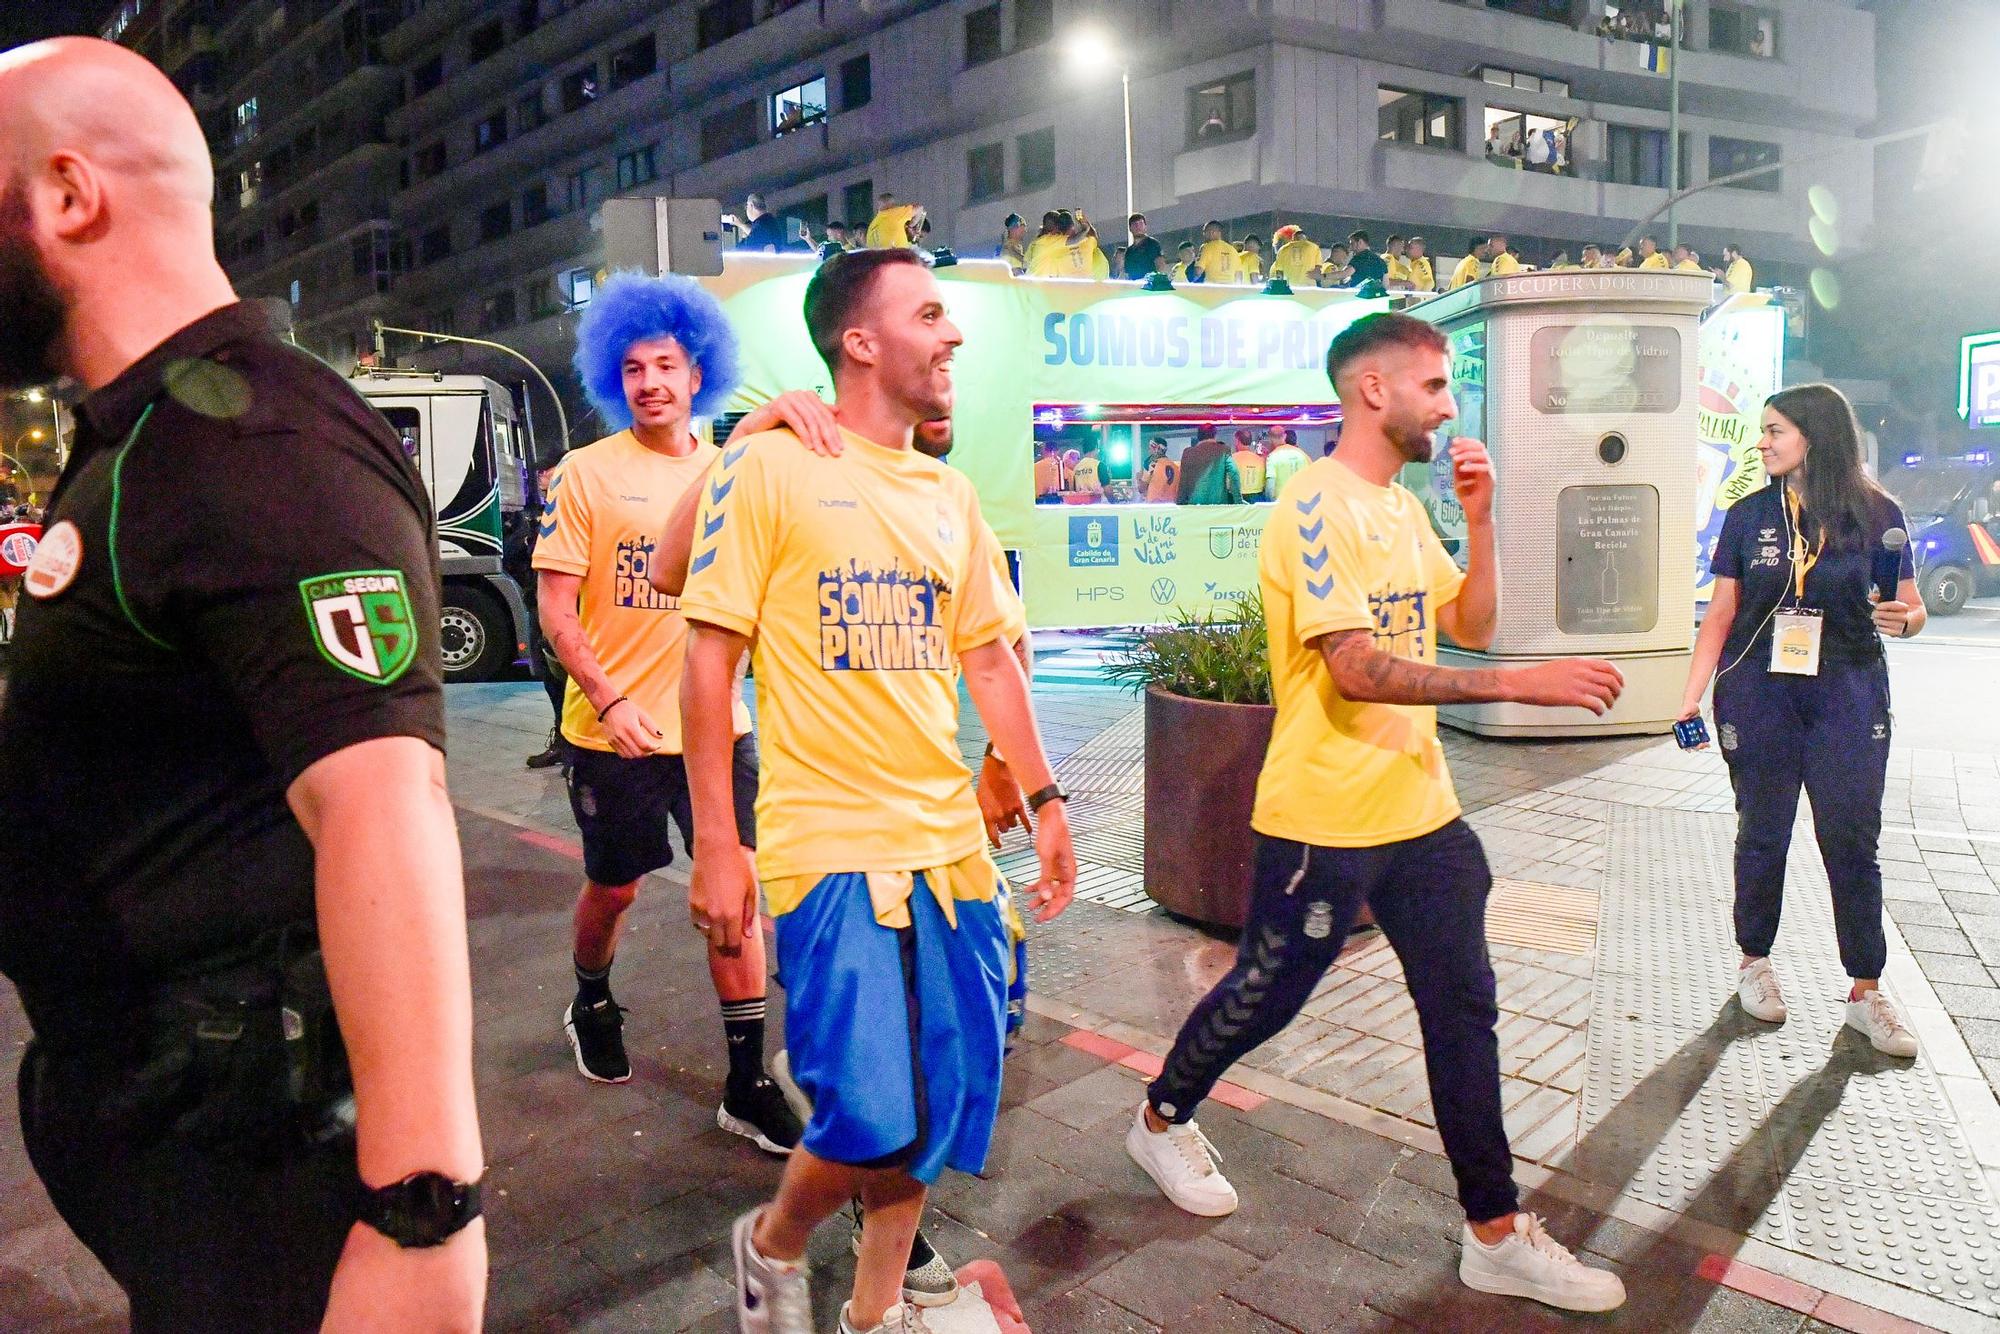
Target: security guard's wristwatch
{"x":423,"y":1209}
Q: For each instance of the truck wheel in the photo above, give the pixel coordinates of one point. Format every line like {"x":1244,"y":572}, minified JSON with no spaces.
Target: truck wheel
{"x":474,"y":635}
{"x":1946,"y":589}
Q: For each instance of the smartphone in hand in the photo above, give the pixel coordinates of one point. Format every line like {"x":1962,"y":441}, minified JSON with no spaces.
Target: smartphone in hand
{"x":1691,"y":733}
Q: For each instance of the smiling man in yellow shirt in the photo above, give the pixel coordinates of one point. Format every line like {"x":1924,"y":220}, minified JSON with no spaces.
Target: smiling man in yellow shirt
{"x":864,"y":587}
{"x":651,"y":352}
{"x":1355,"y":804}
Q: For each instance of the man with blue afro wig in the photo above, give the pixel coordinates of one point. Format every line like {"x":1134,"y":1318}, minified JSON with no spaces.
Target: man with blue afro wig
{"x":653,"y":353}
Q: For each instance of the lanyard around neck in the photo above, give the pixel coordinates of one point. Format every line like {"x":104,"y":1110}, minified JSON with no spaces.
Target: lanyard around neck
{"x":1802,"y":559}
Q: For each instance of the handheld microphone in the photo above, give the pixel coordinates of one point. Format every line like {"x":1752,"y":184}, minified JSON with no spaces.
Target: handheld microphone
{"x":1885,"y":567}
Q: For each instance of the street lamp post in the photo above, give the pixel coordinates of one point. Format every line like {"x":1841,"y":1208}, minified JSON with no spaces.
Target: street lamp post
{"x":562,"y":418}
{"x":1090,"y":49}
{"x":1673,"y":120}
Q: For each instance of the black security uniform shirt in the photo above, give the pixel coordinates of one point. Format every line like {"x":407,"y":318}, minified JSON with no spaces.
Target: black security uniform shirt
{"x":1753,"y":550}
{"x":254,"y":587}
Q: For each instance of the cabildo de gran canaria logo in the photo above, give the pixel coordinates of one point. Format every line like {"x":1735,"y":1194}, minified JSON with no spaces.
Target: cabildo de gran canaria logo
{"x":361,"y":622}
{"x":874,"y":620}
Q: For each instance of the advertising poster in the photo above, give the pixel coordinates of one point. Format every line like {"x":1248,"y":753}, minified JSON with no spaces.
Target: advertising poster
{"x":1742,"y":358}
{"x":1095,"y":565}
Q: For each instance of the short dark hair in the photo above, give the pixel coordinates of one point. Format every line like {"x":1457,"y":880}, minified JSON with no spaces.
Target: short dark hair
{"x":836,"y":226}
{"x":1360,"y":236}
{"x":1393,"y":238}
{"x":839,"y":291}
{"x":1185,"y":245}
{"x":1244,"y":435}
{"x":1371,"y":333}
{"x":1731,"y":245}
{"x":1210,"y":223}
{"x":1291,"y":436}
{"x":1157,"y":440}
{"x":1136,"y":217}
{"x":1205,"y":431}
{"x":1477,"y":241}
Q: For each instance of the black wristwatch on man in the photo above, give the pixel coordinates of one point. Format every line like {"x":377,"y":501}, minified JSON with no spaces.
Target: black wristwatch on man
{"x":423,"y":1209}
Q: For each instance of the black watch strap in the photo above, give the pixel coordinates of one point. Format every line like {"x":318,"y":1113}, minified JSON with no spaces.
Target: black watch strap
{"x":423,"y":1209}
{"x":1037,"y":800}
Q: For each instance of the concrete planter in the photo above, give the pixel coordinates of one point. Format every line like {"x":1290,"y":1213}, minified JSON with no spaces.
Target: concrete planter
{"x":1202,"y":762}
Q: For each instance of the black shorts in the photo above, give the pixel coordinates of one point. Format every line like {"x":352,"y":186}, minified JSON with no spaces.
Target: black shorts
{"x":626,"y":808}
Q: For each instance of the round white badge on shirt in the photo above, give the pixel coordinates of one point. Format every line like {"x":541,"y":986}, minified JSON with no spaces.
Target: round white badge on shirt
{"x":56,"y":561}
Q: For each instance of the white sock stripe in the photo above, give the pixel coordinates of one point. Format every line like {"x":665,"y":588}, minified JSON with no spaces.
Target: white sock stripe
{"x":743,"y":1010}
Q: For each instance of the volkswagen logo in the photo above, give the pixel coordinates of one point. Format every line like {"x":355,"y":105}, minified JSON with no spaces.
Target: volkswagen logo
{"x":1163,"y":591}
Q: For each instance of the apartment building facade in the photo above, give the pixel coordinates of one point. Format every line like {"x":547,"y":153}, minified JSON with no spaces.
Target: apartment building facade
{"x":504,"y":126}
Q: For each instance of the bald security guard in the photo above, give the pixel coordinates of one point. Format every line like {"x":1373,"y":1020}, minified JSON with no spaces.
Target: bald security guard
{"x":235,"y":914}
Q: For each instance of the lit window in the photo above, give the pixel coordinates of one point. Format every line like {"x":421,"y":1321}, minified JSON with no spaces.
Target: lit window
{"x":243,"y":123}
{"x":578,"y":286}
{"x":796,"y":108}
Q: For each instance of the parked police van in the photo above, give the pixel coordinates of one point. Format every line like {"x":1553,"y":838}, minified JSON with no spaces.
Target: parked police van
{"x":476,"y":457}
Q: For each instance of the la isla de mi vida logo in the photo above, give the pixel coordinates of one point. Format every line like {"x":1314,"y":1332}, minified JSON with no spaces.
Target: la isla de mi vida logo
{"x":876,"y":620}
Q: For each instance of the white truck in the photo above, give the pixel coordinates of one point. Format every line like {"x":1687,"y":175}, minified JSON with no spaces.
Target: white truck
{"x":476,"y":456}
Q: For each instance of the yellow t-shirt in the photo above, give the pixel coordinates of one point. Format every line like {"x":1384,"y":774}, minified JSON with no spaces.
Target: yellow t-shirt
{"x":1737,"y":278}
{"x":1055,"y":257}
{"x":861,"y":579}
{"x":607,"y":504}
{"x":1466,"y":272}
{"x":1087,"y":477}
{"x":1503,"y":264}
{"x":1217,"y":260}
{"x":1093,"y":255}
{"x":1163,"y":480}
{"x":1656,"y":260}
{"x":1178,"y":273}
{"x":1250,"y":467}
{"x":1422,"y":276}
{"x":1048,"y":476}
{"x":1398,"y":269}
{"x":891,"y":227}
{"x":1296,"y":259}
{"x":1341,"y":553}
{"x":1689,"y":266}
{"x":1249,"y":267}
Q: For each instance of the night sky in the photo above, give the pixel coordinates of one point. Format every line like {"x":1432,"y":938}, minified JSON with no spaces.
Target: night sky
{"x":25,"y":20}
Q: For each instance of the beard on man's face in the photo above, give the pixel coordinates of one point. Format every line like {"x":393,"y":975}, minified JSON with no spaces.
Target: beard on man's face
{"x":1408,"y":435}
{"x":933,"y":438}
{"x":34,"y":306}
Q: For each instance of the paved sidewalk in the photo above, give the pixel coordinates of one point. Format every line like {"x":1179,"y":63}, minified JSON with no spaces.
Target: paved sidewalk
{"x":1732,"y":1176}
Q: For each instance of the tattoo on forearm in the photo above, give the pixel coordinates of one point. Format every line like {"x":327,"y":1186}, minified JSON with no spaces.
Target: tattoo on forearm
{"x":1384,"y":678}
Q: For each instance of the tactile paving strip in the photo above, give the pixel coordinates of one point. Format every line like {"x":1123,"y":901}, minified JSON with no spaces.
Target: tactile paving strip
{"x":1798,"y":1134}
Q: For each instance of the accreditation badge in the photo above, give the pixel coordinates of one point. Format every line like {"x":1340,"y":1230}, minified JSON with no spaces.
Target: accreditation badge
{"x":1795,"y":641}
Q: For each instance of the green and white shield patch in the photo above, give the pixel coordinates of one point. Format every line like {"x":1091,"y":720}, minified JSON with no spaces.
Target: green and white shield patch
{"x":361,"y":622}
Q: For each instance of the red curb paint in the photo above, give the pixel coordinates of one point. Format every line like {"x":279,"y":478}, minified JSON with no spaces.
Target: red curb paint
{"x":1235,"y":1095}
{"x":550,"y":843}
{"x":1760,"y":1283}
{"x":1144,"y":1062}
{"x":1852,"y":1315}
{"x":1103,"y":1048}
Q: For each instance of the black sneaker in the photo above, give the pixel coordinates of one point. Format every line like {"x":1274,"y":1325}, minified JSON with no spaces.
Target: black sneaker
{"x":597,"y":1036}
{"x":552,"y":756}
{"x":759,"y":1113}
{"x":927,"y":1278}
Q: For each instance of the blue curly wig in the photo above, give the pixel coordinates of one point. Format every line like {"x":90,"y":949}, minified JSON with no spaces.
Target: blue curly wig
{"x":630,"y":308}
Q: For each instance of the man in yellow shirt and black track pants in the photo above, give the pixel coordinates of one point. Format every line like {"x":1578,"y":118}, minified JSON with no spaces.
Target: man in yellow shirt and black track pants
{"x":651,"y":352}
{"x":1355,"y":804}
{"x":867,"y":585}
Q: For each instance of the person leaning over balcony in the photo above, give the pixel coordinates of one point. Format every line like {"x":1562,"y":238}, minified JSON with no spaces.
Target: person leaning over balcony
{"x":1803,"y":700}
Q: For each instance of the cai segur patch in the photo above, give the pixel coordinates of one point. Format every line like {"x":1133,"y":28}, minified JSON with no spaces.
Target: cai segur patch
{"x":361,"y":622}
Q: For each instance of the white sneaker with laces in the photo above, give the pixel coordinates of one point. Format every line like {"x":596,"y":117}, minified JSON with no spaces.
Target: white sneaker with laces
{"x":1877,"y":1017}
{"x":772,"y":1296}
{"x":1528,"y":1262}
{"x":1757,"y":991}
{"x":902,"y":1318}
{"x":1182,"y":1164}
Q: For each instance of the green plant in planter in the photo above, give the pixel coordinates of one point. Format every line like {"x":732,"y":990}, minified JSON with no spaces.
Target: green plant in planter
{"x":1222,"y":658}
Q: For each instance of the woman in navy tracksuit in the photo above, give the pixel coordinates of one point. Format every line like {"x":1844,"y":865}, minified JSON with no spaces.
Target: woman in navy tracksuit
{"x":1802,"y":698}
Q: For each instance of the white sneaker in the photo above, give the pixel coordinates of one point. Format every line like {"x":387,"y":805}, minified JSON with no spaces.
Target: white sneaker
{"x":772,"y":1296}
{"x":1757,"y":991}
{"x":1182,"y":1164}
{"x":1531,"y":1263}
{"x":1876,"y":1016}
{"x":902,"y":1318}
